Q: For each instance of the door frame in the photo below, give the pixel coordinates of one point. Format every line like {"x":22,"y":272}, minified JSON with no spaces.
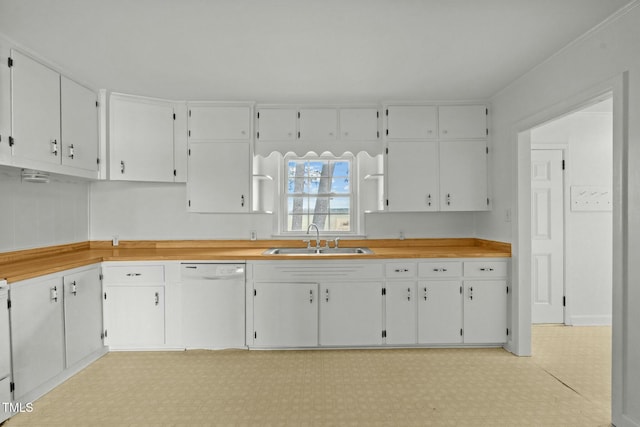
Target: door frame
{"x":566,"y":291}
{"x":520,"y":342}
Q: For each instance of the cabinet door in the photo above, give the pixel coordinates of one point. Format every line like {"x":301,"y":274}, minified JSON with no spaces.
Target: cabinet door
{"x":400,"y":309}
{"x":462,"y":121}
{"x":37,"y":333}
{"x":277,"y":124}
{"x":219,"y":177}
{"x":412,"y":122}
{"x":318,"y":124}
{"x":217,"y":123}
{"x":134,"y":316}
{"x":82,"y":314}
{"x":351,"y":314}
{"x":359,"y":124}
{"x":439,"y":312}
{"x":285,"y":315}
{"x":412,"y":175}
{"x":485,"y":311}
{"x":141,"y":139}
{"x":35,"y":98}
{"x":79,"y":121}
{"x":463,"y":176}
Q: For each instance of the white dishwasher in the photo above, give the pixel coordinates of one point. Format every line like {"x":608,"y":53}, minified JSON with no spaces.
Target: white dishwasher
{"x":213,"y":304}
{"x":5,"y":361}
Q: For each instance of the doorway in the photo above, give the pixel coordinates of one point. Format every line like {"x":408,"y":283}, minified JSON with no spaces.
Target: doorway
{"x":571,"y":216}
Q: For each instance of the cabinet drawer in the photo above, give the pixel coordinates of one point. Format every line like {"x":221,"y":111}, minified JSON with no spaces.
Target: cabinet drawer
{"x":134,"y":274}
{"x":401,"y":269}
{"x":485,"y":268}
{"x":440,"y":269}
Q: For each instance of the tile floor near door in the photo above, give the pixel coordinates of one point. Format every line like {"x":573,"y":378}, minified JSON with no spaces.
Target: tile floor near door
{"x":565,"y":383}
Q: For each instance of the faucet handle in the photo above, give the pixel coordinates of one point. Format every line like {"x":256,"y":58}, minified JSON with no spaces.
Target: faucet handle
{"x":336,"y":242}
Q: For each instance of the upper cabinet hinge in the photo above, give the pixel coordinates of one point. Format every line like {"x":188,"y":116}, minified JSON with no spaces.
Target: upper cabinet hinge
{"x":189,"y":113}
{"x":384,"y":334}
{"x":10,"y":62}
{"x":8,"y":304}
{"x":100,"y":276}
{"x":487,"y":150}
{"x":387,"y":112}
{"x":387,"y":132}
{"x":461,"y":332}
{"x":105,"y":296}
{"x":258,"y":114}
{"x":487,"y":201}
{"x":189,"y":203}
{"x":97,"y":104}
{"x":377,"y":114}
{"x":507,"y":331}
{"x":189,"y":134}
{"x":378,"y":134}
{"x":175,"y":172}
{"x":387,"y":151}
{"x":487,"y":131}
{"x":98,"y":161}
{"x":298,"y":114}
{"x":11,"y":141}
{"x":255,"y":292}
{"x":174,"y":116}
{"x":387,"y":202}
{"x":189,"y":152}
{"x":257,"y":135}
{"x":564,"y":301}
{"x":486,"y":111}
{"x":563,"y":165}
{"x":384,"y":291}
{"x":12,"y":386}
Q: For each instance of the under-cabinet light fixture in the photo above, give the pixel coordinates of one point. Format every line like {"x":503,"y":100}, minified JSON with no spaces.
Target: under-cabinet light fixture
{"x":29,"y":175}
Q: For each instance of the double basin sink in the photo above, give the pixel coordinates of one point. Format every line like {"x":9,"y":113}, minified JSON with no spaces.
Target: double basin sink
{"x":318,"y":251}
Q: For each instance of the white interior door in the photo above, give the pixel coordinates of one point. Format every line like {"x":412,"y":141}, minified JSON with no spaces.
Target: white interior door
{"x":547,"y":237}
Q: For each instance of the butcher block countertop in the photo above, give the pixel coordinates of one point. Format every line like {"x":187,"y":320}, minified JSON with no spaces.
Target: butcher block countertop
{"x":27,"y":264}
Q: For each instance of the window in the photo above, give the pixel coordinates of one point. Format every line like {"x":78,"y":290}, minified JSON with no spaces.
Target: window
{"x":318,"y":190}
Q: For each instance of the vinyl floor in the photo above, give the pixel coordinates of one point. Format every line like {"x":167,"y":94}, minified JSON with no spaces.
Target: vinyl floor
{"x":565,"y":383}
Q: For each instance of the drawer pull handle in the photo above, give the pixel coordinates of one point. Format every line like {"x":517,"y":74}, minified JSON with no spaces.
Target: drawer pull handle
{"x":486,"y":269}
{"x":471,"y":293}
{"x":401,"y":270}
{"x":134,"y":274}
{"x":440,"y":270}
{"x":310,"y":296}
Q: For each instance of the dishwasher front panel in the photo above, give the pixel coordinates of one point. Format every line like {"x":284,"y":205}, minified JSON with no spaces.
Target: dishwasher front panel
{"x":213,"y":305}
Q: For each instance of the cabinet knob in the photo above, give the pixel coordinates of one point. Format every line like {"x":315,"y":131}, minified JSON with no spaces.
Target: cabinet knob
{"x":310,"y":296}
{"x":74,"y":291}
{"x":54,"y":147}
{"x":122,"y":166}
{"x":425,"y":293}
{"x":53,"y":294}
{"x":408,"y":294}
{"x":157,"y":298}
{"x":242,"y":200}
{"x":71,"y":151}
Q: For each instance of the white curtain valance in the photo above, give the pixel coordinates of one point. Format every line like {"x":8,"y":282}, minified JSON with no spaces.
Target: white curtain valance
{"x":300,"y":148}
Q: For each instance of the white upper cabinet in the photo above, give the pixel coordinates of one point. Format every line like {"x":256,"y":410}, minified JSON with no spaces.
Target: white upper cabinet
{"x":277,"y":124}
{"x":79,"y":122}
{"x":219,"y":177}
{"x":35,"y":92}
{"x":462,"y":121}
{"x":412,"y":122}
{"x":219,"y":123}
{"x":412,"y":176}
{"x":359,"y":124}
{"x":463,"y":175}
{"x":54,"y":120}
{"x":318,"y":124}
{"x":141,"y":139}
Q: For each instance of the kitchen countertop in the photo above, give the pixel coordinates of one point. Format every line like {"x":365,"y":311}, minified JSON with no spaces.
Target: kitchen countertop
{"x":27,"y":264}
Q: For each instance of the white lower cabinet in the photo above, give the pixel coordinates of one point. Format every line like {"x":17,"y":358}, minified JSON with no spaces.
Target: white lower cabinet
{"x":134,"y":316}
{"x":285,"y":314}
{"x":82,"y":314}
{"x":351,"y":314}
{"x":400,"y":313}
{"x":440,"y":312}
{"x":56,"y":323}
{"x":37,"y":333}
{"x":485,"y":311}
{"x":134,"y":305}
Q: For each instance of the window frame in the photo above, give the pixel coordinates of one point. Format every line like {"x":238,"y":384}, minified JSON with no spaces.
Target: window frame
{"x":284,"y":194}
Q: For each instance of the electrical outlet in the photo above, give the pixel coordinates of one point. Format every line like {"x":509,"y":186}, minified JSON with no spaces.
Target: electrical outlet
{"x":402,"y":235}
{"x":115,"y":241}
{"x":253,"y":235}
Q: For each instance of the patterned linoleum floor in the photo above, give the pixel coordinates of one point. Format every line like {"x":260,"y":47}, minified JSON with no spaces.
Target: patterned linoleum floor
{"x":565,"y":383}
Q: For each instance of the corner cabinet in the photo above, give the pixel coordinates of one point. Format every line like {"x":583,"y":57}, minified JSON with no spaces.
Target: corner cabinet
{"x":219,"y":158}
{"x":436,"y":158}
{"x":141,"y":139}
{"x":54,"y":120}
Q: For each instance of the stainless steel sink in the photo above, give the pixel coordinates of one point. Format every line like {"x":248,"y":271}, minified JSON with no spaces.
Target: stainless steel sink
{"x":314,"y":251}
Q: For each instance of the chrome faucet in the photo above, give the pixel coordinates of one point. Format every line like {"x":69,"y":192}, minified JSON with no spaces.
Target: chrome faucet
{"x":312,"y":225}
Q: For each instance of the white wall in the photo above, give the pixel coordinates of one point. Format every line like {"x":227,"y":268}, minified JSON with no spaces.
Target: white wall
{"x":609,"y":53}
{"x":35,"y":215}
{"x":155,"y":211}
{"x":588,"y":138}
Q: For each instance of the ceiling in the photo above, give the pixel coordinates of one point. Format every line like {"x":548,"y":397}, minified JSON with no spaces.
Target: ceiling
{"x":300,"y":50}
